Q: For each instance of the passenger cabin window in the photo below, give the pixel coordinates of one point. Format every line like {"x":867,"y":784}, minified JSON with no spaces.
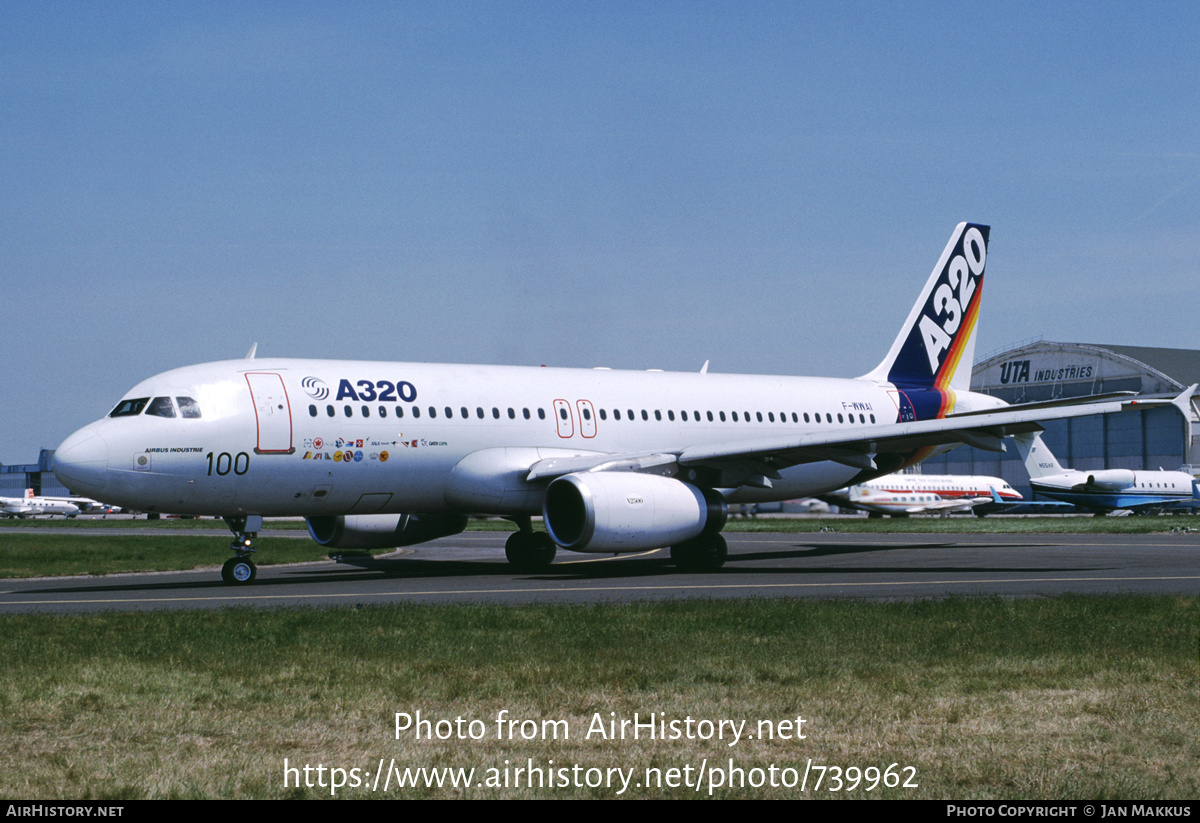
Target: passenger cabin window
{"x":161,"y":407}
{"x":129,"y":408}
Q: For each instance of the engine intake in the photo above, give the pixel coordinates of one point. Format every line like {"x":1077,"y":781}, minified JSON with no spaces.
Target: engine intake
{"x":628,"y":511}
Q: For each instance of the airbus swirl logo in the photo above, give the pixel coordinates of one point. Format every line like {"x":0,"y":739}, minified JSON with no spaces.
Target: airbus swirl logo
{"x":315,"y":387}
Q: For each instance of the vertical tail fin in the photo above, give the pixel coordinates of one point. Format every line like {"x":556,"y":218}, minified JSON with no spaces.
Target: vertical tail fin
{"x":936,"y":345}
{"x":1039,"y":460}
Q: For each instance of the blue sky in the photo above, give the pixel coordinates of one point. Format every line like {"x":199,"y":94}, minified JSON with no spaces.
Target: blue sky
{"x":637,"y":185}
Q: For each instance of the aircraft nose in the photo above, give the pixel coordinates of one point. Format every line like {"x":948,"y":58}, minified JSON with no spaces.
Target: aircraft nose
{"x":81,"y":463}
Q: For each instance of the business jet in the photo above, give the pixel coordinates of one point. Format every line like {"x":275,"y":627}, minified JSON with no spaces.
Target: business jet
{"x":33,"y":506}
{"x":379,"y":455}
{"x":85,"y":505}
{"x":900,"y":495}
{"x":1107,"y":490}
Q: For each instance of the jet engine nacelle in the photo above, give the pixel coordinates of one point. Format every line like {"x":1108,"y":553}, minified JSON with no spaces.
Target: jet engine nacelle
{"x":383,"y":531}
{"x":1111,"y":479}
{"x":628,"y":511}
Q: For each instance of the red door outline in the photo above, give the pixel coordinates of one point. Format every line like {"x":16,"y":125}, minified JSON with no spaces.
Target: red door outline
{"x":272,"y":413}
{"x":587,"y":418}
{"x":564,"y":418}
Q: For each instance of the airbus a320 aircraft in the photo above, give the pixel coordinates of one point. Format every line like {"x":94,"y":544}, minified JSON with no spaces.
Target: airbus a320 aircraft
{"x":379,"y":455}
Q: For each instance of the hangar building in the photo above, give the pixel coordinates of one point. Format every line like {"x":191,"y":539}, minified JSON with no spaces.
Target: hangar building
{"x":14,"y":480}
{"x":1151,"y":438}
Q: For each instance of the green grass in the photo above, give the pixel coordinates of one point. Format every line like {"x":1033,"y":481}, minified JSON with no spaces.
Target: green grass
{"x":49,"y":555}
{"x":1063,"y":698}
{"x":167,"y":524}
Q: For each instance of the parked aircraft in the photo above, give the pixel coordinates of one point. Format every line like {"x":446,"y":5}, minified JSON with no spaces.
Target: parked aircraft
{"x":903,"y":494}
{"x":31,"y":506}
{"x":379,"y":454}
{"x":1106,"y":490}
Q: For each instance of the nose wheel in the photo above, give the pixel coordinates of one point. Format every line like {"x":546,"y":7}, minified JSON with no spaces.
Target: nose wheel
{"x":240,"y":569}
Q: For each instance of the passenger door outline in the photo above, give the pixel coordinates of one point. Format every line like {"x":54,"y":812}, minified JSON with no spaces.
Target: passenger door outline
{"x":564,"y":418}
{"x":272,"y":413}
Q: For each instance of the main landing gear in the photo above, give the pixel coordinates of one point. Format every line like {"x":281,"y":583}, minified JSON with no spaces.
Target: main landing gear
{"x":705,"y":553}
{"x":528,"y":550}
{"x":240,"y":569}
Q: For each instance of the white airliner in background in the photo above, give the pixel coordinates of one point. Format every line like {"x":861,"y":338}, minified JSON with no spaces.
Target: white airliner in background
{"x":903,"y":494}
{"x":1107,"y":490}
{"x":379,"y":454}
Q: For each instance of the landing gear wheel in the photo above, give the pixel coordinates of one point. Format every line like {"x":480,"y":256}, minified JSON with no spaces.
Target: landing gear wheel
{"x":238,"y":570}
{"x":705,"y":553}
{"x":530,"y":551}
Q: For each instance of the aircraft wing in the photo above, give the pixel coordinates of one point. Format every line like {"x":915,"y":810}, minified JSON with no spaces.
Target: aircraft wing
{"x":1164,"y":504}
{"x":941,"y":507}
{"x":855,"y":446}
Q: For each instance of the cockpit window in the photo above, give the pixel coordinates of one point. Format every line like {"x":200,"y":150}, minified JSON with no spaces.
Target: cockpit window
{"x":161,"y":407}
{"x":188,"y":407}
{"x":129,"y":408}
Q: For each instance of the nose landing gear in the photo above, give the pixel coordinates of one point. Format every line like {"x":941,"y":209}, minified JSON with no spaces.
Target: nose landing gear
{"x":240,"y":568}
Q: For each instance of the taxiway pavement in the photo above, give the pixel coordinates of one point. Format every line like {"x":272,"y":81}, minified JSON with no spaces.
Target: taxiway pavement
{"x":471,"y":568}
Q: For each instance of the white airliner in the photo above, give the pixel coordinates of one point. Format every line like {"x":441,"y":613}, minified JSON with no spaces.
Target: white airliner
{"x":379,"y":454}
{"x":32,"y":506}
{"x":903,"y":494}
{"x":1106,"y":490}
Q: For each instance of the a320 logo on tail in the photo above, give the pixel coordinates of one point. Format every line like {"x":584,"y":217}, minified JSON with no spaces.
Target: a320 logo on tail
{"x":952,"y":298}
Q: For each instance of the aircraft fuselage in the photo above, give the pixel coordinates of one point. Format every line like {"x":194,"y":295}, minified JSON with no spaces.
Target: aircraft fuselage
{"x":280,"y":437}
